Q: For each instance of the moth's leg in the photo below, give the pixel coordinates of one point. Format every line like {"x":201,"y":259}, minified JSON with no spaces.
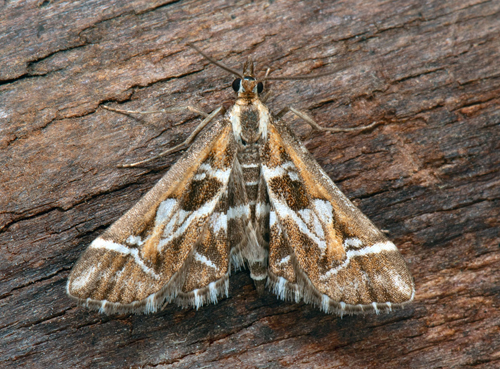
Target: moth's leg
{"x":315,"y":125}
{"x":183,"y":145}
{"x":191,"y":108}
{"x":264,"y":97}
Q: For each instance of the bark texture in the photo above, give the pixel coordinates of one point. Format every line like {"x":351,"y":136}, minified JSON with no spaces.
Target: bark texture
{"x":429,"y":174}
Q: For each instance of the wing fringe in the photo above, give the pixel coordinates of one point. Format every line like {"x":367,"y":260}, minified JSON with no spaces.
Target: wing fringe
{"x":305,"y":290}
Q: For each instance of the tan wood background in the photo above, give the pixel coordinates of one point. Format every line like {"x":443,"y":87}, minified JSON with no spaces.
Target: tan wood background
{"x":429,"y":175}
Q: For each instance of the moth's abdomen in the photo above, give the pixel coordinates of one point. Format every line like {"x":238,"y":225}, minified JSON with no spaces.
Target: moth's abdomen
{"x":249,"y":159}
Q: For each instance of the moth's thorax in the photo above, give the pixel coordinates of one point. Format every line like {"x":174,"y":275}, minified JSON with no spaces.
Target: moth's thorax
{"x":250,"y":119}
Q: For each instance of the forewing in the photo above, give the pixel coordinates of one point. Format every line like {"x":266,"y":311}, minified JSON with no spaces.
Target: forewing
{"x":142,"y":260}
{"x":322,"y":246}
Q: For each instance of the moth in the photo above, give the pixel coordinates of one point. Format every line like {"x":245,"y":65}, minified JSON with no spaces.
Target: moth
{"x":245,"y":193}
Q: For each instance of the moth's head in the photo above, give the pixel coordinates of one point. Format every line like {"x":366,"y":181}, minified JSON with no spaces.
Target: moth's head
{"x":248,"y":86}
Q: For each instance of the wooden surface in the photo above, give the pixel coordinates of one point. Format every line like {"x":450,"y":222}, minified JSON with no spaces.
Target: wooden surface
{"x":429,"y":175}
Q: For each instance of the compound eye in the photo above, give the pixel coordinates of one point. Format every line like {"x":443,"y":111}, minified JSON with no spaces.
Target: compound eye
{"x":260,"y":87}
{"x":236,"y":84}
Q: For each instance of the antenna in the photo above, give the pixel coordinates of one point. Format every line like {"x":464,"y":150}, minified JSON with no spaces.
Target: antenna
{"x":220,"y":65}
{"x":266,"y":78}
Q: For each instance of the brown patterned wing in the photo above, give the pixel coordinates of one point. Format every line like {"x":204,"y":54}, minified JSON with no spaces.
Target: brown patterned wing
{"x":322,"y":248}
{"x":207,"y":276}
{"x":176,"y":230}
{"x":224,"y":244}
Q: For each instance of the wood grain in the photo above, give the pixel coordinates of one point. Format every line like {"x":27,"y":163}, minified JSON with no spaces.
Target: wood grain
{"x":429,"y":174}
